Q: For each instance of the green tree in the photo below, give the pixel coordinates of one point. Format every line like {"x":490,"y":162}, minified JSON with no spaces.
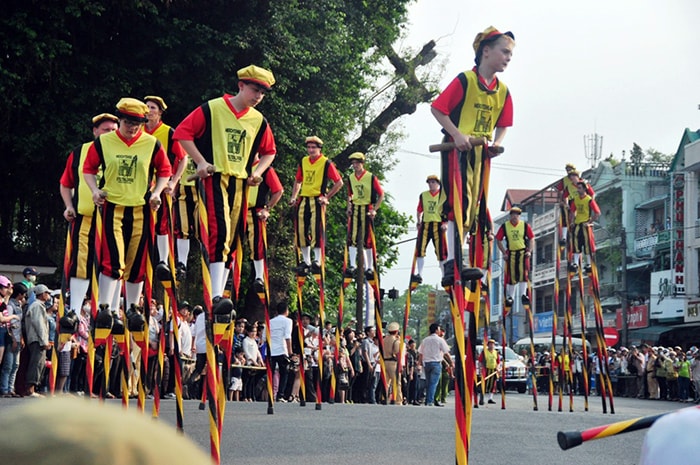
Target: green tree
{"x":636,"y":154}
{"x":61,"y":63}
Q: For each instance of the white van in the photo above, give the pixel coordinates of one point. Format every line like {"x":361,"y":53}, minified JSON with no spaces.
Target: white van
{"x":543,"y":344}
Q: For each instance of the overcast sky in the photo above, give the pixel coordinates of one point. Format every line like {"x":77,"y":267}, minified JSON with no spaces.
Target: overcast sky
{"x":628,"y":70}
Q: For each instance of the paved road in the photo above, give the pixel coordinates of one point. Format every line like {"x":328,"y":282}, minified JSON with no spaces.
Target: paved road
{"x":378,"y":435}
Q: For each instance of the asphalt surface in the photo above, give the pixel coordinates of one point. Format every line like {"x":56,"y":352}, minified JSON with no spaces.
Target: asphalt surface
{"x":378,"y":434}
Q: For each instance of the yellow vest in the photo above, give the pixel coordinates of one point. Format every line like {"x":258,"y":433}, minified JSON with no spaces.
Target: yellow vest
{"x":361,"y":188}
{"x":570,"y":188}
{"x":490,"y":359}
{"x":190,"y":170}
{"x":432,"y":206}
{"x":515,"y":235}
{"x":231,"y":140}
{"x":82,"y":195}
{"x":164,"y":134}
{"x":313,"y":183}
{"x":480,"y":110}
{"x":127,"y":168}
{"x":583,"y":208}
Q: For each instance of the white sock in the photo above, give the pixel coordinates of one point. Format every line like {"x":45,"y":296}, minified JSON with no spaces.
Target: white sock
{"x":420,"y":261}
{"x":450,"y":240}
{"x":490,"y":395}
{"x":116,"y":299}
{"x":317,"y":254}
{"x":217,"y":271}
{"x":563,"y":232}
{"x":107,"y":289}
{"x":577,"y":258}
{"x":352,"y":256}
{"x":259,"y":266}
{"x":510,"y":290}
{"x":369,"y":260}
{"x":78,"y":291}
{"x":163,"y":248}
{"x":227,"y":272}
{"x":183,"y":250}
{"x":306,"y":255}
{"x":133,"y":293}
{"x":523,"y":288}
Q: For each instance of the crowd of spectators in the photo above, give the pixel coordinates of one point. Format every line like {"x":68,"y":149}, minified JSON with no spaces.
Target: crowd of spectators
{"x":645,"y":372}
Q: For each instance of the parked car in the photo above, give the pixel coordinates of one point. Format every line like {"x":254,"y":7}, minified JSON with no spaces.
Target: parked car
{"x":516,"y":371}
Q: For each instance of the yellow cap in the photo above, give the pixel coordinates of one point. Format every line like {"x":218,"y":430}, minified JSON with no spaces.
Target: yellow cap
{"x":98,"y":119}
{"x":131,"y":108}
{"x":489,"y":33}
{"x":517,"y":210}
{"x":158,"y":100}
{"x":433,"y":177}
{"x":314,"y":139}
{"x":357,"y":156}
{"x":257,"y":75}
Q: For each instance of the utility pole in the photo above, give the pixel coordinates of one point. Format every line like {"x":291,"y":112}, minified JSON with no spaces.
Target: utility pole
{"x":623,"y":294}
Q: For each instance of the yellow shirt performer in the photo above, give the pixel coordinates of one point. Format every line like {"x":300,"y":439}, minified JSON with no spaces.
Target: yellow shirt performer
{"x":77,"y":199}
{"x":475,"y":104}
{"x":223,"y":136}
{"x":129,"y":159}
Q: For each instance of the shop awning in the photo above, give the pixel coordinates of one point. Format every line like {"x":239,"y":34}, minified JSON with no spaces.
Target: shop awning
{"x":649,"y":335}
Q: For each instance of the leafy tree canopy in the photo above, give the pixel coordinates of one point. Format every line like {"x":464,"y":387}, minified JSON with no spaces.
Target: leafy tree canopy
{"x":63,"y":62}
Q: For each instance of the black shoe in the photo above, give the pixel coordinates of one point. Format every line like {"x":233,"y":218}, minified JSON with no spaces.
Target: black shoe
{"x":438,"y":404}
{"x":587,"y":269}
{"x":471,"y":274}
{"x":369,"y":275}
{"x":350,"y":272}
{"x":447,"y":281}
{"x":223,"y":307}
{"x":509,"y":302}
{"x":416,"y":278}
{"x":162,"y":272}
{"x":525,"y":300}
{"x":481,"y":401}
{"x":259,"y":285}
{"x":181,"y":271}
{"x":491,"y":401}
{"x":302,"y":269}
{"x":573,"y":267}
{"x":315,"y":267}
{"x":562,"y":242}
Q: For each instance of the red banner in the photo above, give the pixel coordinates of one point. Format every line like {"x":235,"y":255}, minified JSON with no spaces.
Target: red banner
{"x":637,"y":317}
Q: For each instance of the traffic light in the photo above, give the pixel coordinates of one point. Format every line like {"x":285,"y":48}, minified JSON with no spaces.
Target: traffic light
{"x":393,"y":293}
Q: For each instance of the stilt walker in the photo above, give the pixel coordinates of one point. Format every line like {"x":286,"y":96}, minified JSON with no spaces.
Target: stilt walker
{"x":81,"y":265}
{"x":584,"y":211}
{"x":519,"y":243}
{"x":475,"y":103}
{"x":365,"y":195}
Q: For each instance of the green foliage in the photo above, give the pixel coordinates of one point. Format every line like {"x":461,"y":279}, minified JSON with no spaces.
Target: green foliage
{"x":654,"y":156}
{"x":63,"y":62}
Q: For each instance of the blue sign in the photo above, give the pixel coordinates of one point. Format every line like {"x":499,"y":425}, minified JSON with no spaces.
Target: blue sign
{"x":543,"y":322}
